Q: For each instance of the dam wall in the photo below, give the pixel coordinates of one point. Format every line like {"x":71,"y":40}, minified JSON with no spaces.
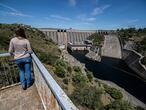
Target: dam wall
{"x":63,"y":36}
{"x":133,"y":60}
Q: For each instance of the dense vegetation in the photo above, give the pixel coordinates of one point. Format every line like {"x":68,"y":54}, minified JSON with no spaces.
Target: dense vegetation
{"x":137,"y":36}
{"x":8,"y":72}
{"x":120,"y":105}
{"x":86,"y":92}
{"x":97,"y":39}
{"x":116,"y":94}
{"x":88,"y":96}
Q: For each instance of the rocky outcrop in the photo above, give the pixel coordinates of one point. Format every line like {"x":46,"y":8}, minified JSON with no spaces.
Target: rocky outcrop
{"x":94,"y":54}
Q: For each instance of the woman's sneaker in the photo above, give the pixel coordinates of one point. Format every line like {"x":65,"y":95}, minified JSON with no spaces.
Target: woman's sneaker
{"x":24,"y":87}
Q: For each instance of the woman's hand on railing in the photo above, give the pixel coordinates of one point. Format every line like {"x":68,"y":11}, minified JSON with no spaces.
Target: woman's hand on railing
{"x":11,"y":53}
{"x":30,"y":52}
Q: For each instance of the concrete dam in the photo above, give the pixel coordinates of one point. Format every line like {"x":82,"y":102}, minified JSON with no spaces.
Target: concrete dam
{"x":63,"y":36}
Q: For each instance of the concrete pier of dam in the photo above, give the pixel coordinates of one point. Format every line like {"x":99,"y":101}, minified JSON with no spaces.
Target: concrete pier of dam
{"x":111,"y":47}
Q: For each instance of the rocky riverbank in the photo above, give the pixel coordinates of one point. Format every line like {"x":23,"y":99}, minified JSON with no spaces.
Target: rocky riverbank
{"x":126,"y":96}
{"x":74,"y":62}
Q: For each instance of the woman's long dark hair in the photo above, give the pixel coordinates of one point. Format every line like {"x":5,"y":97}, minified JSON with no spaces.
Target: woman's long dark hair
{"x":20,"y":32}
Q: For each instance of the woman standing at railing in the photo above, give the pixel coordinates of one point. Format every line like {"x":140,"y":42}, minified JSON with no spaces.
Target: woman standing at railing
{"x":21,"y":49}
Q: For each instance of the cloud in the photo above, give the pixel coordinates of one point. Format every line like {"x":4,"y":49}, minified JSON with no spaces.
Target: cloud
{"x":83,"y":17}
{"x":72,"y":2}
{"x":18,"y":14}
{"x":90,"y":19}
{"x":12,"y":11}
{"x":10,"y":8}
{"x":133,"y":20}
{"x":100,"y":10}
{"x":87,"y":23}
{"x":61,"y":17}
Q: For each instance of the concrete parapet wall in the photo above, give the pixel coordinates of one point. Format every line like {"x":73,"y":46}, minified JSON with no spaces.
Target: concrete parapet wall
{"x":133,"y":60}
{"x":52,"y":96}
{"x":46,"y":95}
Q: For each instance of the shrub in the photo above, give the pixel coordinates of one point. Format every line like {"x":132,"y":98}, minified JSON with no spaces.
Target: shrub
{"x":65,"y":81}
{"x":79,"y":79}
{"x":90,"y":76}
{"x":60,"y":71}
{"x":139,"y":108}
{"x":119,"y":105}
{"x":60,"y":62}
{"x":114,"y":93}
{"x":87,"y":96}
{"x":46,"y":57}
{"x":4,"y":41}
{"x":77,"y":69}
{"x":69,"y":69}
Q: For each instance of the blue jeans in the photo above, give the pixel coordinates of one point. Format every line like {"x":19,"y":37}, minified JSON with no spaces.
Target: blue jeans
{"x":24,"y":65}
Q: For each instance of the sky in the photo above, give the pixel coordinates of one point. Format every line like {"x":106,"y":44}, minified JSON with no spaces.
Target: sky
{"x":76,"y":14}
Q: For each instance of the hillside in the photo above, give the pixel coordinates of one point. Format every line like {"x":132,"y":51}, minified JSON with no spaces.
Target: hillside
{"x":137,"y":37}
{"x":46,"y":50}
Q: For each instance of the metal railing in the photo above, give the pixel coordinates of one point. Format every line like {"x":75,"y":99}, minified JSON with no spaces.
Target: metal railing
{"x":8,"y":71}
{"x":51,"y":94}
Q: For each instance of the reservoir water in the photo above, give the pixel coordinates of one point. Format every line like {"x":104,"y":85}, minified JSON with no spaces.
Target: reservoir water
{"x":117,"y":71}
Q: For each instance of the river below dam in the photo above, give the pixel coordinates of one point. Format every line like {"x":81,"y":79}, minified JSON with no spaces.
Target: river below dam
{"x":117,"y":71}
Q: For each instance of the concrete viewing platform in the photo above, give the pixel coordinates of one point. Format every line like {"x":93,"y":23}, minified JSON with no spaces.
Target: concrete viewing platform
{"x":15,"y":98}
{"x":44,"y":94}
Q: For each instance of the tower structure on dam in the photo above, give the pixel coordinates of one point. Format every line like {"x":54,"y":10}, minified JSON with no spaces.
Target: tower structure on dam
{"x":63,"y":36}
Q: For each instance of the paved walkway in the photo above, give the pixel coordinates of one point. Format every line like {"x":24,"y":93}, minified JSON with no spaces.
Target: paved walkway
{"x":111,"y":47}
{"x":14,"y":98}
